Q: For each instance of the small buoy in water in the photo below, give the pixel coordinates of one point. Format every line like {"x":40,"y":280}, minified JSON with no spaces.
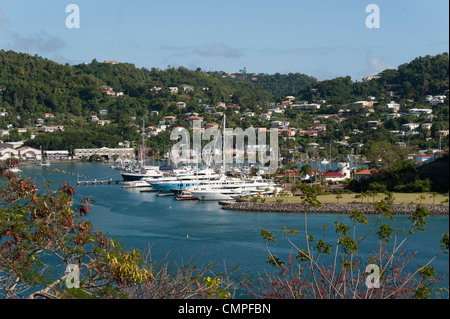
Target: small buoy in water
{"x":187,"y":236}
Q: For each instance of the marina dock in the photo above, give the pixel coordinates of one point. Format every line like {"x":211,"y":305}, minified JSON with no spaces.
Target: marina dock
{"x":100,"y":182}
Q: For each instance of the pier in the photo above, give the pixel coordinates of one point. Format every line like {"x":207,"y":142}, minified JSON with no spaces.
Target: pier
{"x":100,"y":182}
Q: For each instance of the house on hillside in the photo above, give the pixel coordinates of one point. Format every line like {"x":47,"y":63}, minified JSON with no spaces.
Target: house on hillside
{"x":211,"y":125}
{"x":193,"y":118}
{"x":424,"y":158}
{"x":391,"y":116}
{"x":365,"y":173}
{"x":155,"y":89}
{"x":392,"y":107}
{"x":409,"y":126}
{"x":109,"y":93}
{"x":363,"y":104}
{"x":181,"y":105}
{"x":418,"y":112}
{"x":173,"y":89}
{"x":186,"y":87}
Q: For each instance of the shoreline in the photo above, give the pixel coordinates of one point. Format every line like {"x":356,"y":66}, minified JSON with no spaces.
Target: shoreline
{"x":398,"y":209}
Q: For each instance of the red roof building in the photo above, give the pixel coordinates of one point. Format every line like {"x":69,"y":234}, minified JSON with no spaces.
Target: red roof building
{"x":334,"y":176}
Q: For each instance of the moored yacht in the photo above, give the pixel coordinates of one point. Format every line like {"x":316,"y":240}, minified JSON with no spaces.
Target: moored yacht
{"x":138,"y":174}
{"x":229,"y":190}
{"x":184,"y":180}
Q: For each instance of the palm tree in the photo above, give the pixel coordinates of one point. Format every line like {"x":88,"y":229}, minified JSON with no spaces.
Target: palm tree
{"x":421,"y":198}
{"x":363,"y":195}
{"x":434,"y":195}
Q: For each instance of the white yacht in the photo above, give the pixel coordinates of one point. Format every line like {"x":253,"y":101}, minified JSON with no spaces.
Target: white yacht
{"x":136,"y":184}
{"x":183,"y":180}
{"x":232,"y":189}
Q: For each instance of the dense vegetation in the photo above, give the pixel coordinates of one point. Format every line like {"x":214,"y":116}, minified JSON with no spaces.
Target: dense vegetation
{"x":32,"y":86}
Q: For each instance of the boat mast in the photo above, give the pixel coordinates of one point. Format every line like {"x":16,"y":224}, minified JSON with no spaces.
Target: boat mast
{"x":142,"y":150}
{"x":223,"y":146}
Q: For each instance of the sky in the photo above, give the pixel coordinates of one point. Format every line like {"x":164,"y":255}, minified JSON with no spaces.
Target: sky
{"x":322,"y":38}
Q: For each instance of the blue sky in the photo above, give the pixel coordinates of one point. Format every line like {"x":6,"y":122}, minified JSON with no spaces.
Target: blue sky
{"x":323,"y":38}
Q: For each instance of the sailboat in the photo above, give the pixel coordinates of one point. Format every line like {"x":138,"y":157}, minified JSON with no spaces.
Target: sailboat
{"x":43,"y":162}
{"x":327,"y":161}
{"x":142,"y":170}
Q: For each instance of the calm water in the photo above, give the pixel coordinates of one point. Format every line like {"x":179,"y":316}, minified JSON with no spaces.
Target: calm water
{"x":223,"y":237}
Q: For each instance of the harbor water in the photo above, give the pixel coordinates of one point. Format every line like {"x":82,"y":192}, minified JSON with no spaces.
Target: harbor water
{"x":191,"y":229}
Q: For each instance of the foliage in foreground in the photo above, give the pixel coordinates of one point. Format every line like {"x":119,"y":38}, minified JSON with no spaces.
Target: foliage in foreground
{"x":383,"y":275}
{"x":42,"y":238}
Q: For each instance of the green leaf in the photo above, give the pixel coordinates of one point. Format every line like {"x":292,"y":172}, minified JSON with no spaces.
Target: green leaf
{"x":418,"y":218}
{"x":267,"y":235}
{"x":427,"y":272}
{"x":358,"y":216}
{"x":445,"y":242}
{"x":385,"y":232}
{"x":302,"y":255}
{"x":323,"y":247}
{"x":274,"y":261}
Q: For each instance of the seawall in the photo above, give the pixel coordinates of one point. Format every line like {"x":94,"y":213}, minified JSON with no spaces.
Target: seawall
{"x":328,"y":208}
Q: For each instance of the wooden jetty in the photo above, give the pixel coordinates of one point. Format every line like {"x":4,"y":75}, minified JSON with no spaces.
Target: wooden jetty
{"x":100,"y":182}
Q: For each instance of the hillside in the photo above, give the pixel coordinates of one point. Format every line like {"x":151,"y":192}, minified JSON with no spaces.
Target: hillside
{"x":32,"y":86}
{"x":122,"y":96}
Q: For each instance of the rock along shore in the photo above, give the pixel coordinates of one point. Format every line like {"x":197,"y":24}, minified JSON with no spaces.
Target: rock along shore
{"x":328,"y":208}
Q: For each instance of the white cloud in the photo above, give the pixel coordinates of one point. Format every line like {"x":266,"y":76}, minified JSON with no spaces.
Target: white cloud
{"x":375,"y":65}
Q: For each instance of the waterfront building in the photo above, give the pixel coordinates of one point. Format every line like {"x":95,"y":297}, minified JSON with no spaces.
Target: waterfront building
{"x":8,"y":152}
{"x":57,"y":155}
{"x":30,"y":153}
{"x":105,"y":152}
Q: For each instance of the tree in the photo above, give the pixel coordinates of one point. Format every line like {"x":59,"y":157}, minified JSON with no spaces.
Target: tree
{"x":307,"y":169}
{"x":41,"y":236}
{"x":320,"y":270}
{"x":386,"y":154}
{"x":434,"y":195}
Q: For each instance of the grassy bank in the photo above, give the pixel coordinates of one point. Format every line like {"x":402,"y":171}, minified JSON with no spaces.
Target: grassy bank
{"x":398,"y":198}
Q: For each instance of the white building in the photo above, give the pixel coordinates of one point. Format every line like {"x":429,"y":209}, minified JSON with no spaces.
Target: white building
{"x":57,"y":155}
{"x":173,"y":89}
{"x":29,"y":153}
{"x":104,"y":152}
{"x":392,"y":107}
{"x":409,"y":126}
{"x":391,"y":116}
{"x":418,"y":112}
{"x":181,"y":105}
{"x":8,"y":152}
{"x":363,"y":104}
